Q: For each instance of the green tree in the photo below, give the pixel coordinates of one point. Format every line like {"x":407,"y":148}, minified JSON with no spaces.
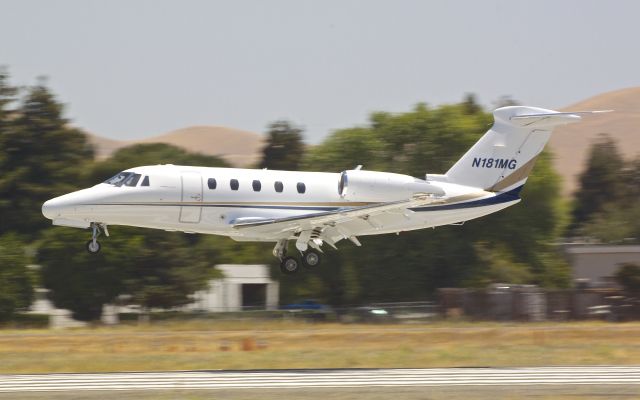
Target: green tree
{"x":165,"y":270}
{"x":631,"y":178}
{"x":619,"y":218}
{"x":358,"y":148}
{"x":614,"y":224}
{"x":500,"y":266}
{"x":599,"y":183}
{"x":533,"y":228}
{"x":79,"y":281}
{"x":505,"y":101}
{"x":7,"y":99}
{"x":16,"y":282}
{"x":154,"y":268}
{"x":284,"y":148}
{"x":628,"y":276}
{"x":42,"y":157}
{"x":470,"y":104}
{"x":412,"y":143}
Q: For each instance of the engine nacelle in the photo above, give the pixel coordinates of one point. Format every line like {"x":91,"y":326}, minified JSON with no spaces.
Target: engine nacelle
{"x":358,"y":185}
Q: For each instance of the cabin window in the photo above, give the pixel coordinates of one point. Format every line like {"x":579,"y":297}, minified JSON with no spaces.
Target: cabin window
{"x":211,"y":182}
{"x":301,"y":187}
{"x":256,"y":185}
{"x":145,"y":181}
{"x":132,"y":181}
{"x":234,"y":184}
{"x":278,"y":186}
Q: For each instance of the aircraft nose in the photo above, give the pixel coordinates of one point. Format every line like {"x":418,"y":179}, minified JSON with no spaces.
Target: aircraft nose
{"x":67,"y":206}
{"x":52,"y":208}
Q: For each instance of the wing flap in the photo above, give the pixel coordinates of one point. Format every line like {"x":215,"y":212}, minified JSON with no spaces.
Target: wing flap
{"x":329,"y":218}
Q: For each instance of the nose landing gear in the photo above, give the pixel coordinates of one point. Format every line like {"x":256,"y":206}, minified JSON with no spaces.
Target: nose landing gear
{"x":93,"y":246}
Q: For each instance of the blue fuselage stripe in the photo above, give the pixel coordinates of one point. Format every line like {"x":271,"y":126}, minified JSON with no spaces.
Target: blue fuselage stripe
{"x":274,"y":207}
{"x":500,"y":198}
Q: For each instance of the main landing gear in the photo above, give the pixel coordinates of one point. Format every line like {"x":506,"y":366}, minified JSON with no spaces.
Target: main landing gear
{"x":289,"y":265}
{"x":93,"y":246}
{"x":311,"y":258}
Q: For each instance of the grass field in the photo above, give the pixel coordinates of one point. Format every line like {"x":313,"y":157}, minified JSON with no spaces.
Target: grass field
{"x":259,"y":344}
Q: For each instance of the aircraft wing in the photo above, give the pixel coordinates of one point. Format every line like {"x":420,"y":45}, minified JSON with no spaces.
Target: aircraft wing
{"x":331,"y":219}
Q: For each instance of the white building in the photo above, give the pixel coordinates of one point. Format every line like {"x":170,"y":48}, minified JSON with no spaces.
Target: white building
{"x":58,"y":318}
{"x":598,"y":263}
{"x":242,"y":287}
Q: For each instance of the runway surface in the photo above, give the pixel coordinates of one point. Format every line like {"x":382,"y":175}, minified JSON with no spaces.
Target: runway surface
{"x":328,"y":378}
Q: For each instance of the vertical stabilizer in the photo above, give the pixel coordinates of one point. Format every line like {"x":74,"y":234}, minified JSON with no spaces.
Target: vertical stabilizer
{"x":504,"y":156}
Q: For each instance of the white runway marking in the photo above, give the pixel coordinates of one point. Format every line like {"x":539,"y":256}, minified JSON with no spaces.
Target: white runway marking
{"x":282,"y":379}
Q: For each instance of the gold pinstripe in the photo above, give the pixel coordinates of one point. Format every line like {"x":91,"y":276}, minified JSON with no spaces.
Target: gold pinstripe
{"x":517,"y":175}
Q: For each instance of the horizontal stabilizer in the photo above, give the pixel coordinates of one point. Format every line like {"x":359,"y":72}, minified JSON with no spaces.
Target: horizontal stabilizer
{"x":551,"y":118}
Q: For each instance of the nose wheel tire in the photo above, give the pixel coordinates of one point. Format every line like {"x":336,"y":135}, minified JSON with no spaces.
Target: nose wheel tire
{"x":311,"y":258}
{"x":289,"y":265}
{"x":93,"y":246}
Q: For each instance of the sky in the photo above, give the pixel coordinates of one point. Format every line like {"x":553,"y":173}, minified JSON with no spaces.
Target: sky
{"x":138,"y":68}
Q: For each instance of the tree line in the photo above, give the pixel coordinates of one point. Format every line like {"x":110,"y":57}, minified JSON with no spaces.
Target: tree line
{"x":42,"y":156}
{"x":606,"y":205}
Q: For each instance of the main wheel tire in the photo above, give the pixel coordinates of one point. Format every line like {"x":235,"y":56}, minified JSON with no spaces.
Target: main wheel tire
{"x":311,"y":258}
{"x":289,"y":265}
{"x":93,"y":247}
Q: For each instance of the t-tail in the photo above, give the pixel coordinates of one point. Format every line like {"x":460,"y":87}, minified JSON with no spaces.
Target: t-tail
{"x":504,"y":156}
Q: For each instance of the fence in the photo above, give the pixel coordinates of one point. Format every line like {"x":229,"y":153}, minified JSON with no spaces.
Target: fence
{"x":531,"y":303}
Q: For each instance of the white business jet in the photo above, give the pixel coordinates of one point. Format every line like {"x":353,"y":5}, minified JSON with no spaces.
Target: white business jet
{"x":316,"y":208}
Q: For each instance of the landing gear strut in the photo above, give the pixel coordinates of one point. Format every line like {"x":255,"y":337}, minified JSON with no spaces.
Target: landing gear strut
{"x":288,"y":265}
{"x":93,"y":246}
{"x":280,"y":250}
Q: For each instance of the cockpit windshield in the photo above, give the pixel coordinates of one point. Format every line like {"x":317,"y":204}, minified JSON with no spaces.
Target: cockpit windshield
{"x":130,"y":179}
{"x":118,"y":179}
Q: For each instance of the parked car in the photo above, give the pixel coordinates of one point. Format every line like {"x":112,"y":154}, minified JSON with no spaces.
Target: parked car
{"x":310,"y":310}
{"x":368,"y":314}
{"x":312,"y":305}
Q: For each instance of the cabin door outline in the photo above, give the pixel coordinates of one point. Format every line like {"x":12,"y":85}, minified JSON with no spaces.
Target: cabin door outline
{"x":191,"y":209}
